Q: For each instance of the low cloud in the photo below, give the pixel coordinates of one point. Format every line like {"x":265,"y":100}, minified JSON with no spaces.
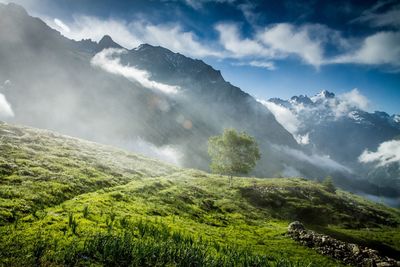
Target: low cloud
{"x":289,"y":171}
{"x":109,"y":60}
{"x":61,"y":25}
{"x":388,"y":152}
{"x":322,"y":161}
{"x":288,"y":120}
{"x":283,"y":115}
{"x":165,"y":153}
{"x":348,"y":101}
{"x":5,"y":108}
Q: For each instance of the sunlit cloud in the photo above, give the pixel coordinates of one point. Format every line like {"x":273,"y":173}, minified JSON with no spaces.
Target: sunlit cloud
{"x":388,"y":152}
{"x":237,"y":46}
{"x":306,"y":42}
{"x":165,"y":153}
{"x":377,"y":49}
{"x":288,"y":39}
{"x":5,"y":108}
{"x":109,"y":60}
{"x":132,"y":34}
{"x":62,"y":26}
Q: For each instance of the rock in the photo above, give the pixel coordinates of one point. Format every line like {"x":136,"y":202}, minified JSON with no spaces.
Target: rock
{"x":296,"y":226}
{"x":384,"y":264}
{"x":354,"y":249}
{"x":348,"y":253}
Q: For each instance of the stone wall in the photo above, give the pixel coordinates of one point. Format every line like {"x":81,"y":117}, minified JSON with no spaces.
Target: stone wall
{"x":347,"y":253}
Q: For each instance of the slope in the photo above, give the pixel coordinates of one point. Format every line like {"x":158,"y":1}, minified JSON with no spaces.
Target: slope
{"x":123,"y":209}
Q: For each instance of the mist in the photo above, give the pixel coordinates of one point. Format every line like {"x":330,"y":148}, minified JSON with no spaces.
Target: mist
{"x":152,"y":101}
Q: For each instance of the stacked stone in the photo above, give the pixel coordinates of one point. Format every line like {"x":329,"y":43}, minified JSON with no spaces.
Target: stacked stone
{"x":347,"y":253}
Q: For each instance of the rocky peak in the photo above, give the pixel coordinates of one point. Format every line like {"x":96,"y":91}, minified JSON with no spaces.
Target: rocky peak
{"x":107,"y":42}
{"x":326,"y":94}
{"x":322,"y":96}
{"x":301,"y":99}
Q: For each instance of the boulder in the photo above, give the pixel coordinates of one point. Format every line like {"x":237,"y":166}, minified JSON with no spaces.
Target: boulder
{"x":296,"y":226}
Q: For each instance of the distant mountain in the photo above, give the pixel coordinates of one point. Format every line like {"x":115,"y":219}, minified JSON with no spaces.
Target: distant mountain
{"x":151,"y":100}
{"x":339,"y":128}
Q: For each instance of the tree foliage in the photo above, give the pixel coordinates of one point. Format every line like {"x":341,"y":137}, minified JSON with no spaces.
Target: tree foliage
{"x":233,"y":153}
{"x":328,"y":184}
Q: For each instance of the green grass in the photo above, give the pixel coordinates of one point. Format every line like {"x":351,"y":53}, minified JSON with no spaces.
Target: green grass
{"x":39,"y":169}
{"x":77,"y":203}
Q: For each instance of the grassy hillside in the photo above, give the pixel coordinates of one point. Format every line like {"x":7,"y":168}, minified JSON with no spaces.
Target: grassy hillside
{"x":65,"y":201}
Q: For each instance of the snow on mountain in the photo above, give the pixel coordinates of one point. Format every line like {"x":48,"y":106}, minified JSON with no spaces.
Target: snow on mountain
{"x":341,"y":127}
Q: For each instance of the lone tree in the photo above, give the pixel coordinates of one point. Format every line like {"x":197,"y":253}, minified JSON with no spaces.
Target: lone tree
{"x":233,"y":153}
{"x":329,"y":185}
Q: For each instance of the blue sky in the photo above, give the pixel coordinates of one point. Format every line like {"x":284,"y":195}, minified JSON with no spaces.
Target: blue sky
{"x":267,"y":48}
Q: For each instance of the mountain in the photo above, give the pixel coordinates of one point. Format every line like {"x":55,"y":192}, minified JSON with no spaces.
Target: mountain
{"x":59,"y":84}
{"x":67,"y":201}
{"x":337,"y":127}
{"x":147,"y":99}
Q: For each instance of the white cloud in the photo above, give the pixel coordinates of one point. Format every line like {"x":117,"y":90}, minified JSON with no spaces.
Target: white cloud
{"x":61,"y":25}
{"x":308,"y":42}
{"x":302,"y":139}
{"x":286,"y":38}
{"x":391,"y":17}
{"x":263,"y":64}
{"x":288,"y":120}
{"x":109,"y":60}
{"x":5,"y":108}
{"x":86,"y":27}
{"x":284,"y":116}
{"x":230,"y":39}
{"x":131,"y":35}
{"x":387,"y":152}
{"x":173,"y":37}
{"x":355,"y":98}
{"x":348,"y":101}
{"x":379,"y":48}
{"x":273,"y":42}
{"x":322,"y":161}
{"x":165,"y":153}
{"x":269,"y":65}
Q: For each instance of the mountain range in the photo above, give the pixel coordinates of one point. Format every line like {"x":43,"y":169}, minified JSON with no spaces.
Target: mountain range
{"x":164,"y":104}
{"x":339,"y":127}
